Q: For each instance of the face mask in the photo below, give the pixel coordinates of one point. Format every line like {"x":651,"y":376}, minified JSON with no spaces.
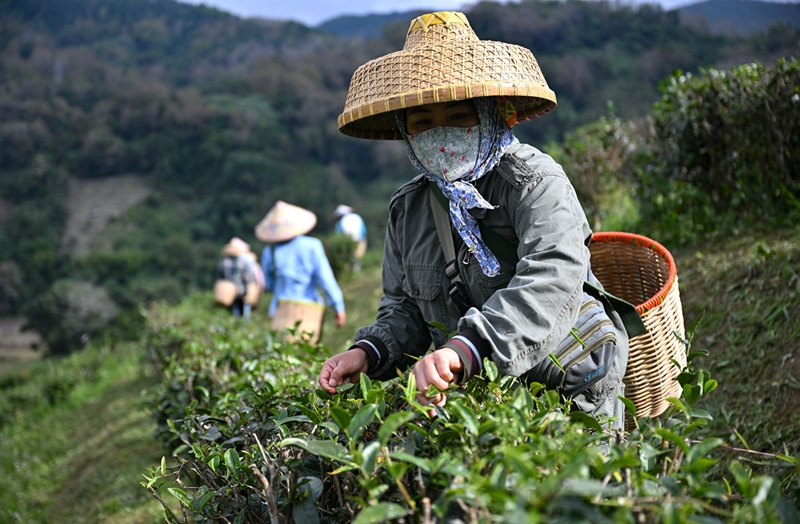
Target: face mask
{"x":449,"y":153}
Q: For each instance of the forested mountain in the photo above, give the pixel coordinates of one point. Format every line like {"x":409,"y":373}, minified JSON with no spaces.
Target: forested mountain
{"x":212,"y":118}
{"x":742,"y":17}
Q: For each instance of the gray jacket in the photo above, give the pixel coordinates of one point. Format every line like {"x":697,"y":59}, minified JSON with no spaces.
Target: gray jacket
{"x":520,"y":315}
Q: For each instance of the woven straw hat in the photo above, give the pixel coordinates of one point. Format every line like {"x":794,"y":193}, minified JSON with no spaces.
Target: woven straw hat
{"x":443,"y":60}
{"x":284,"y":222}
{"x":235,"y":247}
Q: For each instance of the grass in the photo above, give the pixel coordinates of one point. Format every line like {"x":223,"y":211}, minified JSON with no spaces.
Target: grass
{"x":80,"y":459}
{"x":746,"y":296}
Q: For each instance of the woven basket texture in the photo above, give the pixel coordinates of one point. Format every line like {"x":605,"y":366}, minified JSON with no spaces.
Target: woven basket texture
{"x":289,"y":312}
{"x":642,"y":272}
{"x":442,"y":60}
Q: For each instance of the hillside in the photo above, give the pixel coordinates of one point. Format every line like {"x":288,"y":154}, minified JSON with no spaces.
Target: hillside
{"x":740,"y":17}
{"x":728,"y":17}
{"x":224,"y":116}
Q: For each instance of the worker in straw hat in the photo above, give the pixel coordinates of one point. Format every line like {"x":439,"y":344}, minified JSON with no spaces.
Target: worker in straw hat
{"x":350,"y":223}
{"x":489,"y":240}
{"x":295,"y":267}
{"x":237,"y":285}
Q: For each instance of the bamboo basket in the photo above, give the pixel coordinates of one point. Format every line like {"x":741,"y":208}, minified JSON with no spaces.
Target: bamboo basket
{"x":642,"y":272}
{"x":309,"y":314}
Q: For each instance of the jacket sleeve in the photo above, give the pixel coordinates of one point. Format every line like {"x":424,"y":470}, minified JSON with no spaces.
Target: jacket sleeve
{"x":399,"y":331}
{"x":522,"y":324}
{"x":325,"y":279}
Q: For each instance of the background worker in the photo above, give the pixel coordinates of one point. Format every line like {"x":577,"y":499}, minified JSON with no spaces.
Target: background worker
{"x":295,"y":269}
{"x":351,"y":224}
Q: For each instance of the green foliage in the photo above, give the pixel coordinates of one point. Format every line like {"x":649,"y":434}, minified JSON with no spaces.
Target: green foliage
{"x":724,"y":152}
{"x":75,"y":439}
{"x":257,"y":441}
{"x":595,"y":156}
{"x":340,"y":250}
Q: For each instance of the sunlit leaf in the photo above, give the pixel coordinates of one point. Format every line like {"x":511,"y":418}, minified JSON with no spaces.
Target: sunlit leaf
{"x":366,"y":385}
{"x":340,"y":416}
{"x":361,"y":419}
{"x":490,"y":369}
{"x":629,"y":406}
{"x":180,"y":495}
{"x":397,"y":469}
{"x":470,"y":422}
{"x":702,"y":448}
{"x":381,"y":512}
{"x":421,"y":463}
{"x":555,"y":361}
{"x":369,"y":455}
{"x":231,"y":461}
{"x":323,"y":448}
{"x":709,"y":386}
{"x":674,"y":438}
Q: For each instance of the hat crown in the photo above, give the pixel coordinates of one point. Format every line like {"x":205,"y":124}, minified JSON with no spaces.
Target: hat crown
{"x":442,"y":60}
{"x":284,"y":222}
{"x":436,"y":27}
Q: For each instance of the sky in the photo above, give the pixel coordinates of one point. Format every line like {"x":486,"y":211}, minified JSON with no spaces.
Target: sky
{"x":313,"y":12}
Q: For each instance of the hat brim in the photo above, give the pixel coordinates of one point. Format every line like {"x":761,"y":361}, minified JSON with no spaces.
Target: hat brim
{"x":233,"y":250}
{"x":295,"y":222}
{"x":443,"y":72}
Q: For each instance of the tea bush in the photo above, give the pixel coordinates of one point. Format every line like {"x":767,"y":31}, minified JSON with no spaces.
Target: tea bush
{"x":723,"y":153}
{"x":257,"y":441}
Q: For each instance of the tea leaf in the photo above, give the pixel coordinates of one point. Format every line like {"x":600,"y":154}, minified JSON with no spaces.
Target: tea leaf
{"x":369,"y":455}
{"x":340,"y":416}
{"x":701,"y":449}
{"x":421,"y":463}
{"x":470,"y":422}
{"x":392,"y":422}
{"x":360,"y":420}
{"x":180,"y":495}
{"x":381,"y":512}
{"x":323,"y":448}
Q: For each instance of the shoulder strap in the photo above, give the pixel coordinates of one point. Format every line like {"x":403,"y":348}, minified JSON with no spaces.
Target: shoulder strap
{"x":442,"y":220}
{"x":274,"y":267}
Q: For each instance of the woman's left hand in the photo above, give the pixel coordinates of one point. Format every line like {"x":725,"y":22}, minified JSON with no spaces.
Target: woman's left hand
{"x":437,"y":369}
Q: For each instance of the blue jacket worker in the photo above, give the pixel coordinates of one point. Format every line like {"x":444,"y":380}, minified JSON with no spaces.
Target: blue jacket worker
{"x":295,"y":269}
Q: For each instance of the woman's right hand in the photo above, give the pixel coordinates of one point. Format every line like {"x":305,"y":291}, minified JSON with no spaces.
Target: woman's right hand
{"x":343,"y":368}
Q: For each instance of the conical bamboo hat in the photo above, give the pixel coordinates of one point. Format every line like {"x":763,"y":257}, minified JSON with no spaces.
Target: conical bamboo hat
{"x":284,"y":222}
{"x":443,"y":60}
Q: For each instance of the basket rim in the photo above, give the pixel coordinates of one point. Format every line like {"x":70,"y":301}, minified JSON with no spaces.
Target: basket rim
{"x":648,"y":243}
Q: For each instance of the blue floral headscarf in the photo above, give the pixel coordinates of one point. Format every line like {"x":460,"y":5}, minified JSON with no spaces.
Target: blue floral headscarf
{"x":495,"y":137}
